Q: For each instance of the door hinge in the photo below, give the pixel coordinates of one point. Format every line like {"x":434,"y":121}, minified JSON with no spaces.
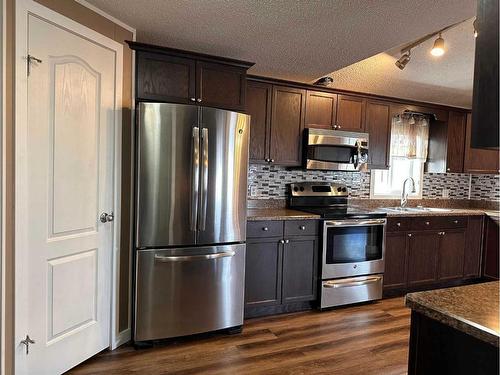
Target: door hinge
{"x":29,"y":60}
{"x":27,"y":341}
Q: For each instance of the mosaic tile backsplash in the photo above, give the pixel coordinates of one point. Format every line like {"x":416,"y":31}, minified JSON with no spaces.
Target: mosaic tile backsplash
{"x":269,"y":182}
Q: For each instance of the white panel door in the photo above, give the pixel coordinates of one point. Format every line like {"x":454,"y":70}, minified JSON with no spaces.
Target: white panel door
{"x":67,"y":263}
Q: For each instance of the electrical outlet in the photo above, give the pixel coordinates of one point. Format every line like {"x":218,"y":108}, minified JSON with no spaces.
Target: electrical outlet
{"x":253,"y":191}
{"x":445,"y":193}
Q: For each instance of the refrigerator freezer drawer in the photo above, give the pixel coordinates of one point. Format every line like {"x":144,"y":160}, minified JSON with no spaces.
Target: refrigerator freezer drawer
{"x":190,"y":290}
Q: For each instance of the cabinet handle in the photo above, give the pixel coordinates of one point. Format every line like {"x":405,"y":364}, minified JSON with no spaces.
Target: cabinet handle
{"x":287,"y":241}
{"x":448,"y":169}
{"x":455,"y":221}
{"x":302,"y":227}
{"x":427,"y":223}
{"x":265,"y":229}
{"x":443,"y":233}
{"x":282,"y":241}
{"x":398,"y":224}
{"x":271,"y":160}
{"x":335,"y":126}
{"x":198,"y":100}
{"x":409,"y":234}
{"x":192,"y":99}
{"x":338,"y":126}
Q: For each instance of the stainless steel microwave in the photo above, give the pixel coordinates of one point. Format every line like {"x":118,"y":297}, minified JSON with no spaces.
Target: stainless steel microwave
{"x":335,"y":150}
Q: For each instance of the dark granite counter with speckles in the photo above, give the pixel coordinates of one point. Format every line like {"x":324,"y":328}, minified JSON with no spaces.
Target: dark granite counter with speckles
{"x":472,"y":309}
{"x":254,"y":214}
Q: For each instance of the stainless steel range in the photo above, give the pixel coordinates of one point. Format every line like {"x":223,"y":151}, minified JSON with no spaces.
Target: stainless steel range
{"x":353,"y":243}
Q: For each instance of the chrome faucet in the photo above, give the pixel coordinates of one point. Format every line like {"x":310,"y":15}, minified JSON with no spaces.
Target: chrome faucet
{"x":404,"y":194}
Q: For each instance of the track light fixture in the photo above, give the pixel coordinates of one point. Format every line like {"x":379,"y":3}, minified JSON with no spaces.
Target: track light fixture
{"x":438,"y":47}
{"x":403,"y":60}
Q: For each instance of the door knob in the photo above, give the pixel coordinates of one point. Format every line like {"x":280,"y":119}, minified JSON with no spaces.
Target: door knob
{"x":105,"y":217}
{"x":282,"y":241}
{"x":265,"y":229}
{"x":287,"y":241}
{"x":192,"y":99}
{"x":302,"y":227}
{"x":198,"y":100}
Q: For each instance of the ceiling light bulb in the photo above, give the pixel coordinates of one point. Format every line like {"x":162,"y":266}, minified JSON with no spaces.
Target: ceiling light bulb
{"x":403,"y":60}
{"x":438,"y":48}
{"x":474,"y":25}
{"x":411,"y":121}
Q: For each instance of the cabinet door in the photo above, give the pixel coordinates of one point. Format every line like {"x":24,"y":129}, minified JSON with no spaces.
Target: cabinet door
{"x":451,"y":254}
{"x":351,"y":113}
{"x":321,"y":109}
{"x":259,"y":108}
{"x":263,"y":272}
{"x":220,"y":86}
{"x":395,"y":260}
{"x":491,"y":251}
{"x":287,"y":123}
{"x":456,"y":142}
{"x":165,"y":78}
{"x":474,"y":237}
{"x":378,"y":126}
{"x":479,"y":160}
{"x":422,"y":257}
{"x":299,"y":269}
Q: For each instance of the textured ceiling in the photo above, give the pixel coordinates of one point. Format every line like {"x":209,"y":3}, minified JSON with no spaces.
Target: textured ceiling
{"x":288,"y":39}
{"x":445,"y":80}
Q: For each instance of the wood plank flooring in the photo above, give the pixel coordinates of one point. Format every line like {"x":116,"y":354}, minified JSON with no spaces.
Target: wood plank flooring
{"x":364,"y":339}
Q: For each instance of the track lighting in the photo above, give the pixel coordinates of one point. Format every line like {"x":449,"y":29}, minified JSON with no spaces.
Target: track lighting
{"x":403,"y":60}
{"x":438,"y":48}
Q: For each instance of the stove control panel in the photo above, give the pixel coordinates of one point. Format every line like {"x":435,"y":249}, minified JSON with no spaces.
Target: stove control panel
{"x":318,"y":189}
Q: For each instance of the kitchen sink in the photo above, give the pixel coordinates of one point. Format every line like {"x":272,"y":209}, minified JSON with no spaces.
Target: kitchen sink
{"x":415,"y":209}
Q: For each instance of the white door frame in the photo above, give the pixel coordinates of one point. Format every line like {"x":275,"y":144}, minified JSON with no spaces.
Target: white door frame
{"x":23,"y":8}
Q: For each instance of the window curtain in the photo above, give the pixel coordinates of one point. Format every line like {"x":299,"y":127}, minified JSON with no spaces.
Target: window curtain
{"x":410,"y":136}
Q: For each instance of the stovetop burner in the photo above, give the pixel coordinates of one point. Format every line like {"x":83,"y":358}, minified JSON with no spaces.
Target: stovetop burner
{"x":327,"y":199}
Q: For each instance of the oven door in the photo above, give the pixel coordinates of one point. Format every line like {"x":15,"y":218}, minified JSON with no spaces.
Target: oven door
{"x":353,"y":247}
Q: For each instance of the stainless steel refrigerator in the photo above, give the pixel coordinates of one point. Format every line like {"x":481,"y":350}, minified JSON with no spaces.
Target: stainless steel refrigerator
{"x":191,"y":193}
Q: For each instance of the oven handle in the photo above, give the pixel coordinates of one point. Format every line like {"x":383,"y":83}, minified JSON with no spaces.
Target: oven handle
{"x":352,"y":223}
{"x":344,"y":284}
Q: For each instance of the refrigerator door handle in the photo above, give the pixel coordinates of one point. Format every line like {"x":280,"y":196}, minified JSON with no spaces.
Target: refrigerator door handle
{"x":188,"y":258}
{"x":204,"y":178}
{"x":195,"y":177}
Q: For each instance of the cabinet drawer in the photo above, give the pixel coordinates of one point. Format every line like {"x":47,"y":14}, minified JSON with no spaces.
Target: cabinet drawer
{"x":451,"y":222}
{"x":265,"y":228}
{"x":301,"y":228}
{"x":423,"y":223}
{"x":397,"y":224}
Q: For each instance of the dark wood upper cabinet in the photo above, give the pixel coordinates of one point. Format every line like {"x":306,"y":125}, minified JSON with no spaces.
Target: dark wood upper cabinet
{"x":485,"y":93}
{"x":175,"y":76}
{"x":220,"y":85}
{"x":378,"y":126}
{"x":165,"y":78}
{"x":351,"y":113}
{"x":321,"y":110}
{"x":447,"y":144}
{"x":258,"y":101}
{"x":287,"y":123}
{"x":479,"y":160}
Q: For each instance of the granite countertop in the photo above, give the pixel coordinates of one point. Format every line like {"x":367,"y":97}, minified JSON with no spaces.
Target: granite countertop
{"x":472,"y":309}
{"x":452,"y":212}
{"x":254,"y":214}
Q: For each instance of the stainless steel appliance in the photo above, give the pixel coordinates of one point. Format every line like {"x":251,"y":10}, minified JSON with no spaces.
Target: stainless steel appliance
{"x":192,"y":167}
{"x":353,"y":243}
{"x":335,"y":150}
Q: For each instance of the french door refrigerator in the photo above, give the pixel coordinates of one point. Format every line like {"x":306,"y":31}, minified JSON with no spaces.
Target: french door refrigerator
{"x":191,"y":193}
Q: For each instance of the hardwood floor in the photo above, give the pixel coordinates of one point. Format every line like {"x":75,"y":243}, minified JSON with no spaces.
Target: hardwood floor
{"x":365,"y":339}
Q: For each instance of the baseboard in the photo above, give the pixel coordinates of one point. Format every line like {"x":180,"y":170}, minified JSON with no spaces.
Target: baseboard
{"x":122,"y":338}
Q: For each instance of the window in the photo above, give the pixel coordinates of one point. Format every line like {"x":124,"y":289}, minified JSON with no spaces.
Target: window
{"x":409,"y":141}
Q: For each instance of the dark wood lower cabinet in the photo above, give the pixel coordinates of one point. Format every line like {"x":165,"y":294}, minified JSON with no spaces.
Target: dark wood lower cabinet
{"x":448,"y":252}
{"x":491,"y":251}
{"x":299,"y":269}
{"x":280,"y":273}
{"x":263,"y":272}
{"x":451,"y":254}
{"x":422,"y":257}
{"x":395,"y":260}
